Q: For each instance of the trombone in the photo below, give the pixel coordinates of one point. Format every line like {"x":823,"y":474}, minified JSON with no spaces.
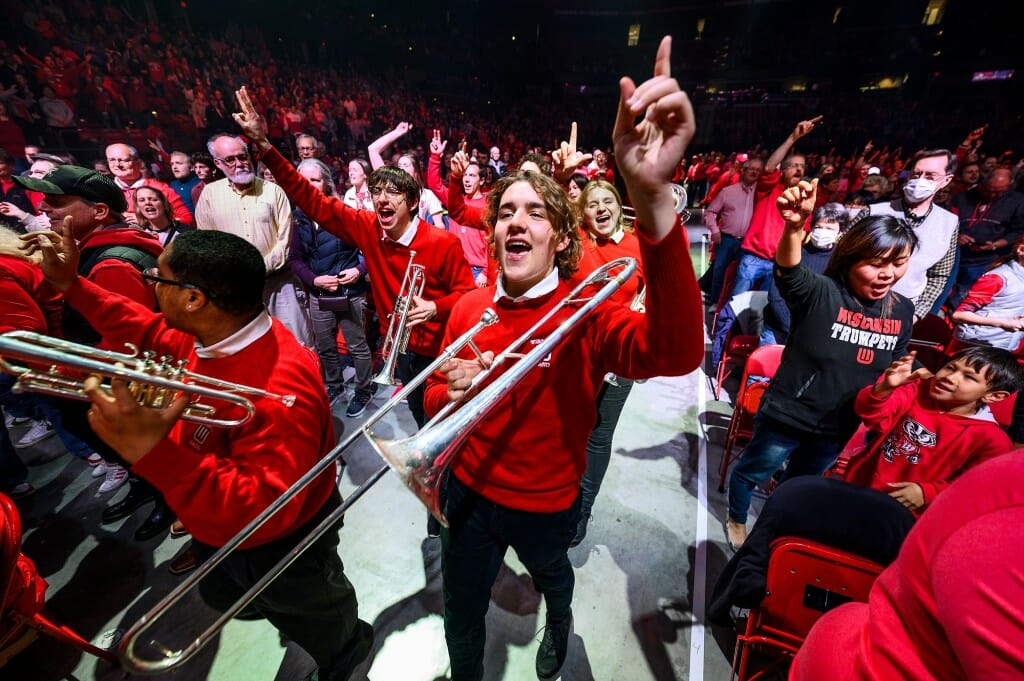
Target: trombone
{"x":678,"y":194}
{"x":420,"y":460}
{"x":154,"y":381}
{"x":396,"y":342}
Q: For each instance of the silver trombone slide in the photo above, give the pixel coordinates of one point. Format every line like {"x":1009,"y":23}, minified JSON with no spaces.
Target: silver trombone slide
{"x":134,"y":663}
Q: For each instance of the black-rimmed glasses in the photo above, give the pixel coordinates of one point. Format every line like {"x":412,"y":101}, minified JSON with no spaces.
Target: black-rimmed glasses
{"x":152,"y":276}
{"x":234,"y":160}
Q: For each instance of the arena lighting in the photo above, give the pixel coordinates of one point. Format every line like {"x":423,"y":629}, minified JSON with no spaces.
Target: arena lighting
{"x":1002,"y":74}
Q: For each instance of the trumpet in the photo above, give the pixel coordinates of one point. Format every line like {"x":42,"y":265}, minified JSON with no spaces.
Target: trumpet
{"x":396,"y":342}
{"x":154,"y":381}
{"x":420,"y":460}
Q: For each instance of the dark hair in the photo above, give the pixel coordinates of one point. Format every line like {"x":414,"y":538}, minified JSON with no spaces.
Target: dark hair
{"x":415,"y":161}
{"x":364,"y":165}
{"x":225,"y":265}
{"x":403,"y":181}
{"x":542,"y":163}
{"x":5,"y":156}
{"x":999,"y":367}
{"x":580,"y":179}
{"x":861,"y":197}
{"x":832,"y":211}
{"x":563,"y":217}
{"x":932,"y":153}
{"x":876,"y":236}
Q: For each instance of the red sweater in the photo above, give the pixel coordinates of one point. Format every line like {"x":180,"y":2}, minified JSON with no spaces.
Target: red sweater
{"x":531,"y":452}
{"x":219,"y":479}
{"x":597,"y":252}
{"x":950,"y":607}
{"x":919,"y":443}
{"x":448,"y":273}
{"x":471,"y":214}
{"x":27,"y":300}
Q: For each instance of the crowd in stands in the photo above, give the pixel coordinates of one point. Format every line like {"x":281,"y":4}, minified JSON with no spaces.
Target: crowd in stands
{"x":854,"y":241}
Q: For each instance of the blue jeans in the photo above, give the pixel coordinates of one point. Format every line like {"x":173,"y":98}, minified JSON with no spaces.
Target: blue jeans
{"x":753,"y":270}
{"x":472,"y":550}
{"x":771,"y":444}
{"x":40,"y":407}
{"x":726,"y":252}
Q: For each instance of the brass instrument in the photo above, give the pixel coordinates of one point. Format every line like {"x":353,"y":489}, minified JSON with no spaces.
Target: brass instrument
{"x":420,"y":460}
{"x":678,"y":193}
{"x":396,"y":342}
{"x":154,"y":381}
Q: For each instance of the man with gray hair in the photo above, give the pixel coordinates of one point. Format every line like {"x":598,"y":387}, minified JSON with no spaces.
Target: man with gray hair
{"x":259,"y":212}
{"x":126,"y":166}
{"x":307,"y":146}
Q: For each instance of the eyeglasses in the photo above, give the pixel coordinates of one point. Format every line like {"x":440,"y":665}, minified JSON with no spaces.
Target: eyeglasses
{"x":152,"y":276}
{"x":234,"y":160}
{"x":390,"y":192}
{"x":306,"y":148}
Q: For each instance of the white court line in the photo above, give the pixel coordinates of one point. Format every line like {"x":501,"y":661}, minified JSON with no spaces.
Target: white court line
{"x":700,"y":562}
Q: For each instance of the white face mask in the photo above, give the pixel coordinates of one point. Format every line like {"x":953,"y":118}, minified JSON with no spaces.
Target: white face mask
{"x":919,"y":189}
{"x":823,"y":238}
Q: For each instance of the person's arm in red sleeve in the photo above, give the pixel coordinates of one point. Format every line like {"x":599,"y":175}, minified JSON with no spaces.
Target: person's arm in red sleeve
{"x":19,"y":311}
{"x":434,"y":183}
{"x":123,"y":279}
{"x":458,"y":210}
{"x":881,"y":413}
{"x":457,"y":272}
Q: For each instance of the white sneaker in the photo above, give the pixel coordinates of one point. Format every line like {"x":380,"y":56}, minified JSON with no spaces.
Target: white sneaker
{"x":12,"y":421}
{"x":116,"y":476}
{"x":39,"y":431}
{"x":99,"y":469}
{"x":94,"y":459}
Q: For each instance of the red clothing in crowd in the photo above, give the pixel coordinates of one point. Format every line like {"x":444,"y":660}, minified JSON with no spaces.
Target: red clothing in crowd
{"x":218,"y":479}
{"x":515,"y":457}
{"x":30,"y":302}
{"x":598,"y":251}
{"x":950,"y":607}
{"x":447,"y":273}
{"x":470,"y":232}
{"x":178,"y":207}
{"x":766,"y":224}
{"x":918,"y":442}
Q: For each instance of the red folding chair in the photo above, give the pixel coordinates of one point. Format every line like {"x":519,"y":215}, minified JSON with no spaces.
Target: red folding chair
{"x":805,"y":580}
{"x":931,"y":339}
{"x":22,"y":596}
{"x":763,"y":361}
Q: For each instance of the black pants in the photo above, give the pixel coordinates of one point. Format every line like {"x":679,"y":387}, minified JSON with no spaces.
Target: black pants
{"x":849,"y":517}
{"x":473,"y":548}
{"x":312,"y":602}
{"x":410,"y":365}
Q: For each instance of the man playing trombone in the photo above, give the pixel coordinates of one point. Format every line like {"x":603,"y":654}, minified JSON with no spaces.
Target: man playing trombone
{"x":516,"y":480}
{"x":209,"y":286}
{"x":386,"y":238}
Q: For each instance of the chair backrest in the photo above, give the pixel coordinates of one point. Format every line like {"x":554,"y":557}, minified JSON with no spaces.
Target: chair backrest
{"x":805,"y":580}
{"x":763,"y":362}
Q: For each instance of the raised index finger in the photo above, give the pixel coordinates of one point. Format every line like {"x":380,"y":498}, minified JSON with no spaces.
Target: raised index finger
{"x":572,"y":136}
{"x":815,"y":120}
{"x":663,"y":60}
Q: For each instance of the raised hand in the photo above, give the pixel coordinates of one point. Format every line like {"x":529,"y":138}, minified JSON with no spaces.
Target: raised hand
{"x":797,"y":202}
{"x":437,"y":146}
{"x":460,"y":162}
{"x":250,"y":120}
{"x":647,"y":152}
{"x":403,"y":127}
{"x":974,"y":136}
{"x":564,"y":160}
{"x":901,"y":372}
{"x":804,"y":127}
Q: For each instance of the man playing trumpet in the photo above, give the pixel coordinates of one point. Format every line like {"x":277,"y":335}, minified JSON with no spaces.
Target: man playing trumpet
{"x":516,"y":481}
{"x":209,"y":286}
{"x":385,"y":236}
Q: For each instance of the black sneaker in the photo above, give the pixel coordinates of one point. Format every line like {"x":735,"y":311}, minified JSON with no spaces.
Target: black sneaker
{"x":357,"y":405}
{"x":553,"y":648}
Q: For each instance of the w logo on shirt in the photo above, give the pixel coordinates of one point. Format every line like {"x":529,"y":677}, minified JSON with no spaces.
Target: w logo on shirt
{"x":865,"y":356}
{"x":199,"y":438}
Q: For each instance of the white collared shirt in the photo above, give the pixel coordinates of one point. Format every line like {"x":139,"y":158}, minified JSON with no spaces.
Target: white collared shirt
{"x":541,"y":288}
{"x":239,"y":340}
{"x":409,"y":234}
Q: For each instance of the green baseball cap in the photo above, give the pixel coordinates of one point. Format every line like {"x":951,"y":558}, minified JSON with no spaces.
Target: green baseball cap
{"x":77,"y":181}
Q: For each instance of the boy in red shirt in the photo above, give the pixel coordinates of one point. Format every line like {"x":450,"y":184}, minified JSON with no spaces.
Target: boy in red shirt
{"x":933,"y":428}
